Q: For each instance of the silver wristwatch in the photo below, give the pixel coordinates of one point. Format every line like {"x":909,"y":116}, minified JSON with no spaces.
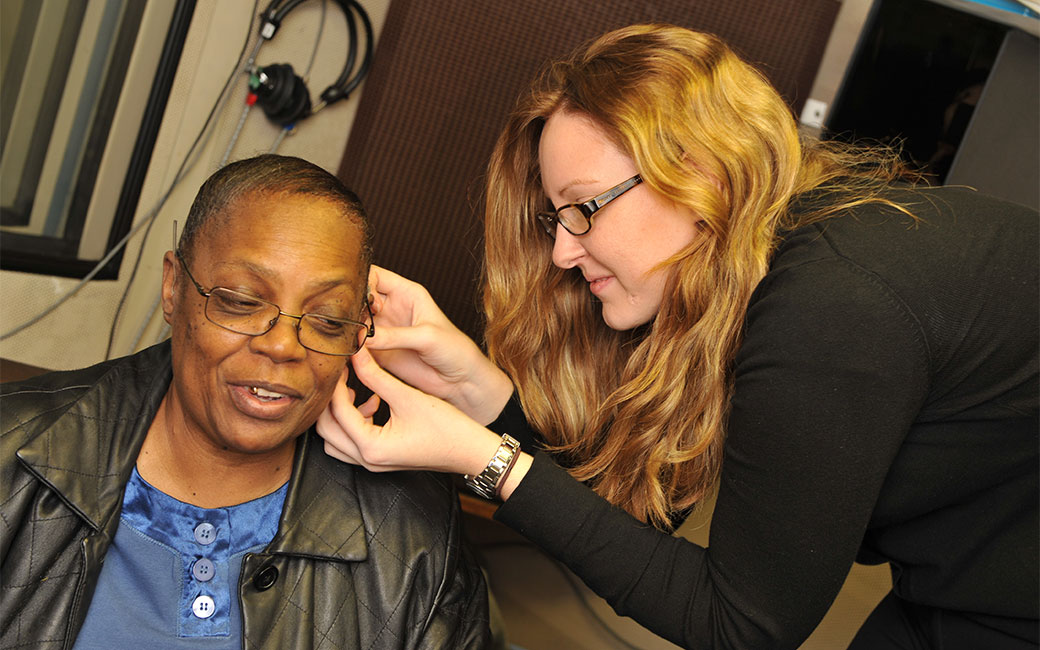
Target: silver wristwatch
{"x":488,"y":483}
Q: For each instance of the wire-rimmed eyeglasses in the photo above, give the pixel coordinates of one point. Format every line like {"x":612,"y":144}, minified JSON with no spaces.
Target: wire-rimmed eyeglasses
{"x":576,"y":218}
{"x":244,"y":314}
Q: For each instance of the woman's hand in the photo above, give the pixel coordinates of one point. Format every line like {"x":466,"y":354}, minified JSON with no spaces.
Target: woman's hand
{"x":422,"y":432}
{"x":416,"y":342}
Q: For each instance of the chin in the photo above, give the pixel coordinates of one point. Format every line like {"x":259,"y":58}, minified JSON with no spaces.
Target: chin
{"x":624,"y":322}
{"x":259,"y":444}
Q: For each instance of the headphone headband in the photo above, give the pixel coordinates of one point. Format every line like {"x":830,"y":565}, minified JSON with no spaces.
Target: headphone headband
{"x":281,"y":93}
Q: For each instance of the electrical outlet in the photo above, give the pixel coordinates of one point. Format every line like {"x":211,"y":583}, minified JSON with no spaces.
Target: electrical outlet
{"x":813,"y":113}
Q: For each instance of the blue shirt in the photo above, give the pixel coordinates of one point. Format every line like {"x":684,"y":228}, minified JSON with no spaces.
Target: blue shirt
{"x":170,"y":577}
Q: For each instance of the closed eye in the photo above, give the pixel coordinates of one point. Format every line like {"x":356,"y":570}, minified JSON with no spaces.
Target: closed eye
{"x":329,"y":326}
{"x":234,"y":302}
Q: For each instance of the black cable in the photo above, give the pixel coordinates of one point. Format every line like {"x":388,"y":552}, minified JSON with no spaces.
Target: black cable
{"x":345,"y":83}
{"x":366,"y":61}
{"x":245,"y":111}
{"x":317,"y":39}
{"x":578,"y":590}
{"x":177,"y":178}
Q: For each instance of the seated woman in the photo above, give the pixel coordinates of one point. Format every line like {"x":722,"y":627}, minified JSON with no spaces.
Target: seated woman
{"x":180,"y":498}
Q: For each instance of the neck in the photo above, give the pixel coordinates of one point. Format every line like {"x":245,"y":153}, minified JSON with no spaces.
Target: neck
{"x":192,"y":469}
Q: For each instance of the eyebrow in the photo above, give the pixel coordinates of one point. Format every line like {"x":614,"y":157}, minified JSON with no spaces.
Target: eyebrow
{"x":265,"y":273}
{"x":576,"y":183}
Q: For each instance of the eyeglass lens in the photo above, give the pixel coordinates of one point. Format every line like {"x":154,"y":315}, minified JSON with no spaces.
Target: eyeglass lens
{"x":577,"y":217}
{"x":245,"y":314}
{"x":574,"y":220}
{"x":571,"y":217}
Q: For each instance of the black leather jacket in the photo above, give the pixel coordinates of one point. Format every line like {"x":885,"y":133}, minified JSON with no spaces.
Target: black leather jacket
{"x":360,"y":560}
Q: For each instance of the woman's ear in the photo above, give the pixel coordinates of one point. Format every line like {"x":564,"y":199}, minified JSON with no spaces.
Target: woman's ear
{"x":169,"y":283}
{"x":691,"y":161}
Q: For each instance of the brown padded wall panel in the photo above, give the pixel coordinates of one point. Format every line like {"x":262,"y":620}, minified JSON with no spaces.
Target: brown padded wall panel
{"x":446,"y":73}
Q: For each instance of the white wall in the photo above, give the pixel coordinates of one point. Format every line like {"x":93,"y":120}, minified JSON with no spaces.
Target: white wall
{"x":76,"y":334}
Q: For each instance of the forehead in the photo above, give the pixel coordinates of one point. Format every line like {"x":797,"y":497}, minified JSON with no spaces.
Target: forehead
{"x":287,"y":234}
{"x":267,"y":209}
{"x":573,"y":150}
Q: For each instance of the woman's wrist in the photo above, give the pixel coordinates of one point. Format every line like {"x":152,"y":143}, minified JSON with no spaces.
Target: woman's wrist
{"x":482,"y":454}
{"x":488,"y":483}
{"x":486,"y":395}
{"x":516,"y":474}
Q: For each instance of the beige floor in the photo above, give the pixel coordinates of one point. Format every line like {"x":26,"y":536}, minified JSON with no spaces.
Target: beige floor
{"x":546,"y":608}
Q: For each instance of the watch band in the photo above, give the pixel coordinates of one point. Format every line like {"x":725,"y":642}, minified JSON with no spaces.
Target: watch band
{"x":488,"y":483}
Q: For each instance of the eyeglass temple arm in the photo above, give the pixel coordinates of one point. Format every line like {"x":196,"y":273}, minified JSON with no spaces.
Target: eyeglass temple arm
{"x":611,"y":194}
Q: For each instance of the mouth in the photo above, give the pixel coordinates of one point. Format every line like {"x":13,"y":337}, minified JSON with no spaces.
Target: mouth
{"x":264,"y":401}
{"x":598,"y":285}
{"x":266,"y":395}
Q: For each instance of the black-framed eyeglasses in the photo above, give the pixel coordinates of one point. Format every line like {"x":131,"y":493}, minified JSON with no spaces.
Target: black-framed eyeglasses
{"x":244,"y":314}
{"x":576,"y":218}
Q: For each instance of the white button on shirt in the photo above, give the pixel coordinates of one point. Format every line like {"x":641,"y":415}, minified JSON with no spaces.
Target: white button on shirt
{"x":205,"y":533}
{"x":203,"y":607}
{"x":203,"y":569}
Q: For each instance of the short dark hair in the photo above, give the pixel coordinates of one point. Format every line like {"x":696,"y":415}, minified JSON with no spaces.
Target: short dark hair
{"x":270,"y":174}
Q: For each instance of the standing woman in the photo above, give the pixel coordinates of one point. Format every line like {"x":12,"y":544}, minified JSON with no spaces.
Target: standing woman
{"x":684,"y":295}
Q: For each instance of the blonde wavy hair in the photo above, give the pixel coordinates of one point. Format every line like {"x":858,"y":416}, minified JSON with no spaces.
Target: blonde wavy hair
{"x":641,"y":415}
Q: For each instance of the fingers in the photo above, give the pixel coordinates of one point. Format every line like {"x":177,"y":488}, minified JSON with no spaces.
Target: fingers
{"x":348,"y":431}
{"x":347,"y":395}
{"x":338,"y":444}
{"x":380,"y":285}
{"x":340,"y":419}
{"x":331,"y":450}
{"x":378,"y":380}
{"x":398,"y":294}
{"x":385,"y":281}
{"x":388,"y":337}
{"x":344,"y":375}
{"x":376,"y":272}
{"x":369,"y":408}
{"x":342,"y":397}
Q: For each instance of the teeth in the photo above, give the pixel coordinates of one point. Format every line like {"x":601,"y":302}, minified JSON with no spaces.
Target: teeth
{"x":266,"y":394}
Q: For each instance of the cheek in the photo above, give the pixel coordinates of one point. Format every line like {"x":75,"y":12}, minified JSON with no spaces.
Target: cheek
{"x":326,"y":374}
{"x":634,"y":266}
{"x":203,"y":347}
{"x":325,"y":380}
{"x":191,"y":334}
{"x":192,"y":325}
{"x":642,"y":279}
{"x":657,"y":247}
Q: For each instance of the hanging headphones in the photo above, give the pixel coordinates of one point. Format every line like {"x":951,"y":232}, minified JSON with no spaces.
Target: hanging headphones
{"x":281,"y":93}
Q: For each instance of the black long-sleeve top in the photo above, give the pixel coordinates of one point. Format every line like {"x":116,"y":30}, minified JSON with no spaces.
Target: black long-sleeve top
{"x":885,"y":409}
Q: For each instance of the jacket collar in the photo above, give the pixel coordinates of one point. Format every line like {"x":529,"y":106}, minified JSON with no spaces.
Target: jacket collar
{"x":322,"y":516}
{"x":87,"y":453}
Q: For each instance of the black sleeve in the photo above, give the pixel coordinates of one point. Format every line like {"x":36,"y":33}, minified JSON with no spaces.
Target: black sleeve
{"x":512,"y":421}
{"x":832,"y":372}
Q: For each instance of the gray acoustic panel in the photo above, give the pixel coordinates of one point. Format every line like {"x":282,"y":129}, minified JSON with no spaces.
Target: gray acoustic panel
{"x":446,"y":73}
{"x":1000,"y":152}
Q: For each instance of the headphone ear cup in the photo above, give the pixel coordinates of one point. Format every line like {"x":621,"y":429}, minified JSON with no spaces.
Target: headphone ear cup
{"x":283,"y":95}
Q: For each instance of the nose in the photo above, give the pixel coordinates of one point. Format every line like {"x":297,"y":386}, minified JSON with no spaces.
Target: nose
{"x":567,"y":250}
{"x":281,"y":342}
